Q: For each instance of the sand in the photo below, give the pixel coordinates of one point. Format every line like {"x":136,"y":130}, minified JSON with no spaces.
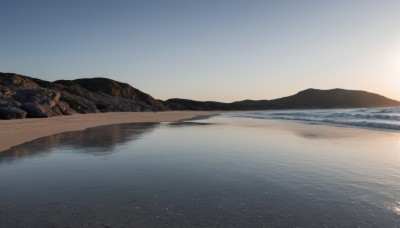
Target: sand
{"x":15,"y":132}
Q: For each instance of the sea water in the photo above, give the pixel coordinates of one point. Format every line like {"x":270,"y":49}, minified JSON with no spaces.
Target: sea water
{"x":225,"y":171}
{"x":374,"y":118}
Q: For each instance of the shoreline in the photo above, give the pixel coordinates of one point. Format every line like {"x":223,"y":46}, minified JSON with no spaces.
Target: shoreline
{"x":16,"y":132}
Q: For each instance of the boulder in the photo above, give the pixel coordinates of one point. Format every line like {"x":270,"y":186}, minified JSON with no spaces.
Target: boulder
{"x":64,"y":108}
{"x":9,"y":103}
{"x":7,"y":113}
{"x":37,"y":111}
{"x":38,"y":96}
{"x":78,"y":103}
{"x":6,"y":103}
{"x":56,"y":111}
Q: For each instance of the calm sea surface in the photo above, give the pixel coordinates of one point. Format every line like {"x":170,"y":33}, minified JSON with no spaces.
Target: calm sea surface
{"x":232,"y":170}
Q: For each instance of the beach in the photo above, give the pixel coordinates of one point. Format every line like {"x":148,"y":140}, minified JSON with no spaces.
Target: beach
{"x":229,"y":170}
{"x":15,"y":132}
{"x":200,"y":114}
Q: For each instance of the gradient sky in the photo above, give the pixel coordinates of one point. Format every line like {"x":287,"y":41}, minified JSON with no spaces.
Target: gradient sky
{"x":207,"y":49}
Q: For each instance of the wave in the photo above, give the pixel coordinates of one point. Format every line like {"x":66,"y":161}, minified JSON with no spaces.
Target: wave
{"x":372,"y":118}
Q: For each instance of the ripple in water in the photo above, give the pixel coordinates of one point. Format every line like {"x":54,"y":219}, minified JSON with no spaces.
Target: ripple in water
{"x":219,"y":172}
{"x":373,"y":118}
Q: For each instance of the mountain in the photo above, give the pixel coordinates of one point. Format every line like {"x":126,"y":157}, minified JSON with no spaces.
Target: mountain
{"x":22,"y":96}
{"x":333,"y":98}
{"x":306,"y":99}
{"x":185,"y":104}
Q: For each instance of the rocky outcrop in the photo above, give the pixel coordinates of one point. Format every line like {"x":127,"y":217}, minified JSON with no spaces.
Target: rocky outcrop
{"x":62,"y":108}
{"x":38,"y":102}
{"x":86,"y":101}
{"x":22,"y":96}
{"x":118,"y":89}
{"x":8,"y":113}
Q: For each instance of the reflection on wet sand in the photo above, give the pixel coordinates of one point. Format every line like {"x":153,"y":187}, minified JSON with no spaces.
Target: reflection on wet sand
{"x":300,"y":129}
{"x":97,"y":140}
{"x":219,"y":172}
{"x":185,"y":124}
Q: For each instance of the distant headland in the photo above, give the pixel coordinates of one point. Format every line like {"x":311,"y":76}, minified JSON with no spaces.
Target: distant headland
{"x":23,"y":96}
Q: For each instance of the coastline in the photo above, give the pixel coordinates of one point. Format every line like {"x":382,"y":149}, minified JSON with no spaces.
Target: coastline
{"x":15,"y":132}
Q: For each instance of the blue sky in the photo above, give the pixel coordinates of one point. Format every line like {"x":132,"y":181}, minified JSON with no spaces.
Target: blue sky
{"x":207,"y":50}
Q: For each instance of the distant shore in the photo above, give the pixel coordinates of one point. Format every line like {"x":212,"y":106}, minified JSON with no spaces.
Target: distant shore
{"x":15,"y":132}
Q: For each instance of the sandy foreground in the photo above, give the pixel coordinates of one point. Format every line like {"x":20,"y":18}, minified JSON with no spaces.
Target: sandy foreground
{"x":15,"y":132}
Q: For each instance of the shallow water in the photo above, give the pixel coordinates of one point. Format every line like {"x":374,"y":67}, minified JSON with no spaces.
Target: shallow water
{"x":218,"y":172}
{"x":372,"y":118}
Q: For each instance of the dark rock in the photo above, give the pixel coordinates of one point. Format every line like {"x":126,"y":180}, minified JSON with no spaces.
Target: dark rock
{"x":44,"y":99}
{"x":41,"y":98}
{"x":15,"y":103}
{"x":15,"y":80}
{"x":6,"y":103}
{"x":78,"y":103}
{"x":7,"y":113}
{"x":121,"y":90}
{"x":6,"y":92}
{"x":38,"y":96}
{"x":9,"y":103}
{"x":57,"y":111}
{"x":97,"y":101}
{"x":64,"y":108}
{"x":37,"y":111}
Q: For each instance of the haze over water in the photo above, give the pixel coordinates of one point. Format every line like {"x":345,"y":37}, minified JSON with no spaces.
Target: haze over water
{"x":220,"y":172}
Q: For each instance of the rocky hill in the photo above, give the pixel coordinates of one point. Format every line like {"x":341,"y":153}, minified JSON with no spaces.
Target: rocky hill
{"x":307,"y":99}
{"x":333,"y":98}
{"x":22,"y":96}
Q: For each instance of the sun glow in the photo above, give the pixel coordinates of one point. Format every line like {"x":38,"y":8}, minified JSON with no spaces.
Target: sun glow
{"x":397,"y":66}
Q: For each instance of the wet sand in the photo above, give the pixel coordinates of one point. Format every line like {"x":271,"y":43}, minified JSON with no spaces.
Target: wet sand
{"x":15,"y":132}
{"x":222,"y":171}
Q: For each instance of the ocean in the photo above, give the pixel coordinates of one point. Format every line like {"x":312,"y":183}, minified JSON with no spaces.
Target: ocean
{"x":237,"y":169}
{"x":372,"y":118}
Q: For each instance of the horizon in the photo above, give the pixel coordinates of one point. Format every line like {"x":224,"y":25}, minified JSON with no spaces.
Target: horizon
{"x":208,"y":51}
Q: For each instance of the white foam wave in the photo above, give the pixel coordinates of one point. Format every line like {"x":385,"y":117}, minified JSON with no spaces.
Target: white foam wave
{"x":373,"y":118}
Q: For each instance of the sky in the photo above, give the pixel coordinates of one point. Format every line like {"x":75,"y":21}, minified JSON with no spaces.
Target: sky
{"x":223,"y":50}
